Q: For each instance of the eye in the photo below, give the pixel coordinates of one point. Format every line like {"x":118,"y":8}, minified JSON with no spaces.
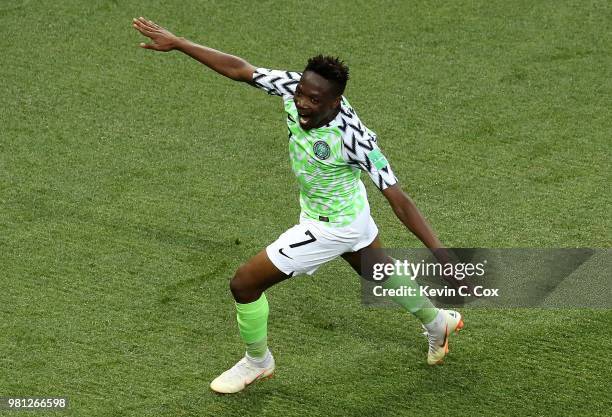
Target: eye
{"x":314,"y":100}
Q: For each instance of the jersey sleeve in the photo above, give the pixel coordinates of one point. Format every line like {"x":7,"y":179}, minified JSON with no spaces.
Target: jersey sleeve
{"x":360,"y":149}
{"x":276,"y":82}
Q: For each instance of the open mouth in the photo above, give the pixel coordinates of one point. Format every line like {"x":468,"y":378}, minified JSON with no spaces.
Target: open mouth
{"x":304,"y":118}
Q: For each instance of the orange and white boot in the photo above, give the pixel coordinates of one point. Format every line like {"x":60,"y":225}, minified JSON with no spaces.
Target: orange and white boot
{"x":438,"y":332}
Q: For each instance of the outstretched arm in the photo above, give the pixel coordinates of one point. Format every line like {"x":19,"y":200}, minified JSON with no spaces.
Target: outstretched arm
{"x":409,"y":214}
{"x":163,"y":40}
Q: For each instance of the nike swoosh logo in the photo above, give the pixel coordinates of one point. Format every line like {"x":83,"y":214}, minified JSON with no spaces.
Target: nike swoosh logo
{"x":247,"y":382}
{"x":284,"y":254}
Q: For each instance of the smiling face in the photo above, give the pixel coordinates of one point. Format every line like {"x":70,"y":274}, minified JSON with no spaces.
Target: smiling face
{"x":316,"y":99}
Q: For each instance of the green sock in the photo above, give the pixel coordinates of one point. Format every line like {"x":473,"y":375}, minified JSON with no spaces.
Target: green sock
{"x":253,"y":325}
{"x":418,"y":305}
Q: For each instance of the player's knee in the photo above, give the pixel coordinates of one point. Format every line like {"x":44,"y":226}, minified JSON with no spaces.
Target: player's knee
{"x":236,"y":286}
{"x":241,"y":287}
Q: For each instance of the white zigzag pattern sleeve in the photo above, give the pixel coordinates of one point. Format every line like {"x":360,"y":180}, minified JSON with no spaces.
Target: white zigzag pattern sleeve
{"x":361,"y":150}
{"x":276,"y":82}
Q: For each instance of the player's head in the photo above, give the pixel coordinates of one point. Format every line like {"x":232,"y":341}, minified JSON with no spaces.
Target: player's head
{"x":318,"y":95}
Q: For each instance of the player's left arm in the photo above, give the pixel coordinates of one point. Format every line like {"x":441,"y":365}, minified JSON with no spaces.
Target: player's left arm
{"x":408,"y":213}
{"x":362,"y":150}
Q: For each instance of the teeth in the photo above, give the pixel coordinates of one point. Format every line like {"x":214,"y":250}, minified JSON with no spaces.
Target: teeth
{"x":303,"y":120}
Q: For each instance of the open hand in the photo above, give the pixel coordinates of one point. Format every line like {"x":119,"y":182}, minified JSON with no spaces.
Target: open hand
{"x":162,"y":39}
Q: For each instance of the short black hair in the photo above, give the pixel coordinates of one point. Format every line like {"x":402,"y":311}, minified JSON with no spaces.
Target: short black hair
{"x":330,"y":68}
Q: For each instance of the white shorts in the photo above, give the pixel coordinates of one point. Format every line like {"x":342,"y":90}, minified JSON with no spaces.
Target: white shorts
{"x":311,"y":243}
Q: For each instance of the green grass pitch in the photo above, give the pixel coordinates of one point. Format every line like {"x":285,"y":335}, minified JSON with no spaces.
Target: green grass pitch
{"x":133,"y":184}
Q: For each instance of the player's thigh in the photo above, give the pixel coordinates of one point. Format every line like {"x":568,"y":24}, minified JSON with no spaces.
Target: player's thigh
{"x":303,"y":249}
{"x":363,"y":259}
{"x":354,"y":258}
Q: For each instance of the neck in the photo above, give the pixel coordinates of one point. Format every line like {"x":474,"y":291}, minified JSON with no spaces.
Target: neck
{"x":331,"y":117}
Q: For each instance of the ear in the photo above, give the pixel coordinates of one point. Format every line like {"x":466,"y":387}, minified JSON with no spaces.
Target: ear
{"x":337,"y":101}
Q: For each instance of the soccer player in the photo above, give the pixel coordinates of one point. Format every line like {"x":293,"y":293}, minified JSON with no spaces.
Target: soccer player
{"x":329,"y":147}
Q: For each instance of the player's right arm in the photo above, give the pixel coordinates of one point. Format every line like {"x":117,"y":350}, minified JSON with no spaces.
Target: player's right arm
{"x":163,"y":40}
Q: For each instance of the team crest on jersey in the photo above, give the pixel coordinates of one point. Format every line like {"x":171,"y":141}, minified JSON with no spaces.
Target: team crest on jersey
{"x":321,"y":149}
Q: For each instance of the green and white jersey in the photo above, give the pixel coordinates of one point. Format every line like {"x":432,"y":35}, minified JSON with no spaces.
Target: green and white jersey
{"x":328,"y":161}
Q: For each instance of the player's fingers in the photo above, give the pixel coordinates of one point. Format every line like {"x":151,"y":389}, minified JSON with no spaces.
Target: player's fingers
{"x":147,"y":46}
{"x":141,"y":28}
{"x":146,"y":23}
{"x":153,"y":24}
{"x":139,"y":23}
{"x":144,"y":32}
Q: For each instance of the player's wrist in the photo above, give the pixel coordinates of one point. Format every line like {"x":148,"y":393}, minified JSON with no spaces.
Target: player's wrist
{"x":179,"y":43}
